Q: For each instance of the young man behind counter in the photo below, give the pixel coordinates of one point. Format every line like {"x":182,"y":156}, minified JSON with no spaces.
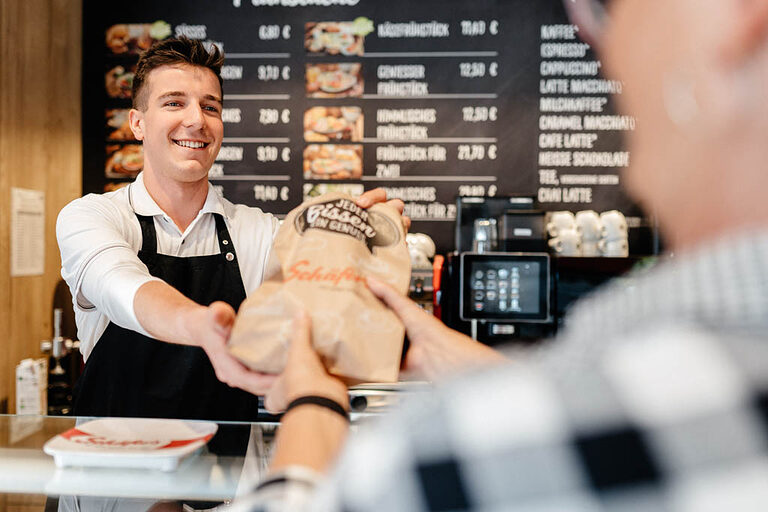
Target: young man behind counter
{"x":166,"y":259}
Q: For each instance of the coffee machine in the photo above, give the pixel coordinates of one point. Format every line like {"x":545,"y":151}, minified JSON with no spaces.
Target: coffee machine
{"x":502,"y":284}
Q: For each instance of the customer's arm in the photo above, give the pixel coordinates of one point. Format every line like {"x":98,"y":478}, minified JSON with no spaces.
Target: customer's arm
{"x":310,"y":435}
{"x":436,"y":351}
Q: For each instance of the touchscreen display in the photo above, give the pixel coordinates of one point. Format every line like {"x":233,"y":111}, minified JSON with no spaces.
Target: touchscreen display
{"x":512,"y":287}
{"x":505,"y":287}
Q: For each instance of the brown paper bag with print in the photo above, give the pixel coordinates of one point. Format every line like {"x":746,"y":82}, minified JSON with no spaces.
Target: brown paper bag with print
{"x":322,"y":254}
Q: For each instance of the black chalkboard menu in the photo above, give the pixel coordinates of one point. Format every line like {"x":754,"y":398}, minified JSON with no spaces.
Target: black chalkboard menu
{"x":430,"y":99}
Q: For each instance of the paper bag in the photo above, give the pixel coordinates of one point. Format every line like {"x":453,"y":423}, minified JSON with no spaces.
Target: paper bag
{"x":322,"y":254}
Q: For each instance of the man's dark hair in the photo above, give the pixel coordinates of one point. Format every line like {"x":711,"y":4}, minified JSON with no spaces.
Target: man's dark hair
{"x":170,"y":52}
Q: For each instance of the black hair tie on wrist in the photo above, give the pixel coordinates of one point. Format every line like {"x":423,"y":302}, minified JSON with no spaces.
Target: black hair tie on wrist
{"x":322,"y":402}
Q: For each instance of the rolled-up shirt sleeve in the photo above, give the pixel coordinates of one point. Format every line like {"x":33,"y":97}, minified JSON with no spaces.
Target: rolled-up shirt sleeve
{"x":99,"y":262}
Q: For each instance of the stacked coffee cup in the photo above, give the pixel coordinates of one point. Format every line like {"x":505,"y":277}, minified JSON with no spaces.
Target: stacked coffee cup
{"x":564,"y":239}
{"x":588,"y":233}
{"x":614,"y":241}
{"x":590,"y":228}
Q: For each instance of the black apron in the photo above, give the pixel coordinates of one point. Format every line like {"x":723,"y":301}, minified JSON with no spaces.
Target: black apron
{"x":131,"y":375}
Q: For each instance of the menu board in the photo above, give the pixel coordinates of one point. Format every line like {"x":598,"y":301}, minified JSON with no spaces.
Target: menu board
{"x":429,"y":100}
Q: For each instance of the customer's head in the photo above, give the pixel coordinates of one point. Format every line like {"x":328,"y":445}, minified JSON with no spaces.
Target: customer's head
{"x":695,"y":74}
{"x":173,"y":52}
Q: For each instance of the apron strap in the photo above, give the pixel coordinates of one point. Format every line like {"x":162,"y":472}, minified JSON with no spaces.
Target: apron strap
{"x":148,"y":234}
{"x":226,"y":246}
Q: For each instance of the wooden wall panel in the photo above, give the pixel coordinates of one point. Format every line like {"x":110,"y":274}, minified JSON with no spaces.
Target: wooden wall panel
{"x":5,"y":298}
{"x":40,"y":148}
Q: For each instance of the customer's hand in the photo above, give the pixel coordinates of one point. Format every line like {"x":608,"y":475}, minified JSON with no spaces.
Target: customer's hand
{"x":379,"y":195}
{"x":212,"y":328}
{"x":436,"y":351}
{"x":304,"y":372}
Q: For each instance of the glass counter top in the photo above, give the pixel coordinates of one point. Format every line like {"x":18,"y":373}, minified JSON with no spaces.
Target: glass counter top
{"x":30,"y":476}
{"x":30,"y":481}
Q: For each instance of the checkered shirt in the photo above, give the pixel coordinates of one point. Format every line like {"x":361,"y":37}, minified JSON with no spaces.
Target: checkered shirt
{"x":655,"y":398}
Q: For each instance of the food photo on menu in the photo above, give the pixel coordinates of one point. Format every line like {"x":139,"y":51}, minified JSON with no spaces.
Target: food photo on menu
{"x":118,"y":81}
{"x":118,"y":127}
{"x":333,"y":162}
{"x":328,"y":124}
{"x":334,"y":80}
{"x":134,"y":38}
{"x":337,"y":37}
{"x":124,"y":161}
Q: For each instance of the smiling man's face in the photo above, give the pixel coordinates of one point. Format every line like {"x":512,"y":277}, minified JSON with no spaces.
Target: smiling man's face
{"x":181,"y":127}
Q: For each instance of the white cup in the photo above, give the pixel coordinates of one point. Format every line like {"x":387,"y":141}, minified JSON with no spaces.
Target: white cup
{"x":614,"y":225}
{"x":421,"y":242}
{"x":421,"y":248}
{"x":589,"y":224}
{"x":568,"y":243}
{"x":618,"y":248}
{"x":560,"y":221}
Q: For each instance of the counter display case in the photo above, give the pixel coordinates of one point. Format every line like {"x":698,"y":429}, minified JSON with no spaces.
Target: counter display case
{"x":31,"y":481}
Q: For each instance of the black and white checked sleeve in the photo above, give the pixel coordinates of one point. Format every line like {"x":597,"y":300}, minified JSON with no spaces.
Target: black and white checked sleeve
{"x":672,"y":420}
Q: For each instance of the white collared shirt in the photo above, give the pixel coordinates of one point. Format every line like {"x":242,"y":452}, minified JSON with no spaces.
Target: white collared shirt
{"x":99,"y":238}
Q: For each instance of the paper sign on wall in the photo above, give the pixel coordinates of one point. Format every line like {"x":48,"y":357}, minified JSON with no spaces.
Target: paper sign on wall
{"x":27,"y":232}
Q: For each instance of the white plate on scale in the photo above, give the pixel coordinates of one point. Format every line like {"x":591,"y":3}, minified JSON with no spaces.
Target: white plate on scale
{"x":130,"y":443}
